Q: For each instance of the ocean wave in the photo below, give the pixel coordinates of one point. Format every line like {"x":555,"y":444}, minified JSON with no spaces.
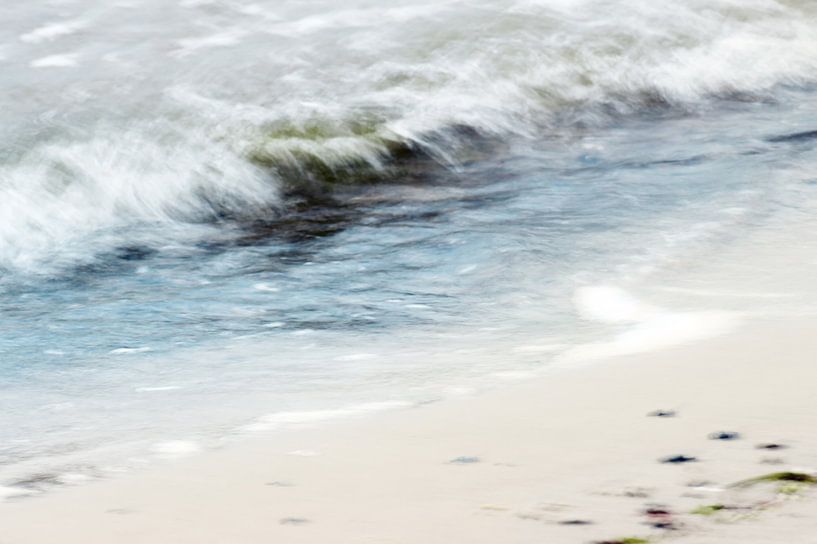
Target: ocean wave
{"x":244,"y":102}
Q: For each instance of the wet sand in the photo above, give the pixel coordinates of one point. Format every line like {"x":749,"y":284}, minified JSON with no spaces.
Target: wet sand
{"x":573,"y":456}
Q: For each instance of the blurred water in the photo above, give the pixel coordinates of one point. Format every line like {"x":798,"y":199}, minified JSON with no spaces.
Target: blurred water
{"x":212,"y":211}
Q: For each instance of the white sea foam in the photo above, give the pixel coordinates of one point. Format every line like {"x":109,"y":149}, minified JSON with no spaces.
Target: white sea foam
{"x":356,"y":357}
{"x":224,"y":39}
{"x":266,"y":287}
{"x":648,"y":327}
{"x":52,"y":31}
{"x":59,"y":194}
{"x":610,"y":304}
{"x":157,"y":388}
{"x":8,"y":492}
{"x":175,"y":448}
{"x":311,"y":417}
{"x":67,"y":60}
{"x":127,"y":351}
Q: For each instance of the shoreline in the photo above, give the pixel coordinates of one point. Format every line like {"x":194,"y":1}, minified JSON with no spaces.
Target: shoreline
{"x":568,"y":457}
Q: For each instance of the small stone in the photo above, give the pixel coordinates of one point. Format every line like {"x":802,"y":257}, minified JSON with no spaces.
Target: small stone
{"x":677,"y":459}
{"x":293,"y":521}
{"x":700,"y":483}
{"x":771,"y":446}
{"x":659,"y":517}
{"x":662,"y":413}
{"x":464,"y":460}
{"x":724,"y":435}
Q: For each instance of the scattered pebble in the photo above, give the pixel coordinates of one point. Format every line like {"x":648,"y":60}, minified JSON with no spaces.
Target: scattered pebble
{"x":637,"y":493}
{"x":662,"y":413}
{"x":771,"y":446}
{"x":576,"y":522}
{"x":724,"y":435}
{"x":660,"y":517}
{"x":677,"y":459}
{"x":700,"y":483}
{"x":293,"y":521}
{"x":464,"y":460}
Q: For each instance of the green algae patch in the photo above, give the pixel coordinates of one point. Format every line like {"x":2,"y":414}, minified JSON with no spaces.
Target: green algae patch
{"x":791,"y":488}
{"x":708,"y":509}
{"x":627,"y":540}
{"x":317,"y":130}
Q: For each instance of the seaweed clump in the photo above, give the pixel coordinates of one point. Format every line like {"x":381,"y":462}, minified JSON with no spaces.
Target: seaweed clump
{"x":783,"y":477}
{"x":791,"y":483}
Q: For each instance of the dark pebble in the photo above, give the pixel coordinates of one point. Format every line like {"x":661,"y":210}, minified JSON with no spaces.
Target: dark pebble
{"x":724,"y":435}
{"x":657,"y":512}
{"x":662,"y":413}
{"x":679,"y":459}
{"x":771,"y":447}
{"x":576,"y":522}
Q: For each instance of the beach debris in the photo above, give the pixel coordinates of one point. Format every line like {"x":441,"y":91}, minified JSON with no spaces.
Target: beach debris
{"x":626,"y":540}
{"x":784,"y":477}
{"x":708,"y":509}
{"x":464,"y":460}
{"x":293,"y":521}
{"x":771,"y":446}
{"x":278,"y":483}
{"x":724,"y":435}
{"x":660,"y":517}
{"x":662,"y":413}
{"x":636,"y":493}
{"x":678,"y":459}
{"x":576,"y":522}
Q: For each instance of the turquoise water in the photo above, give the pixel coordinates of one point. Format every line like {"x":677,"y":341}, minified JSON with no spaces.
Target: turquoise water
{"x":260,"y":227}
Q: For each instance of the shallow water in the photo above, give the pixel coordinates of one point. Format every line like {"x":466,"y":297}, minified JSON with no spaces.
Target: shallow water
{"x":224,"y":217}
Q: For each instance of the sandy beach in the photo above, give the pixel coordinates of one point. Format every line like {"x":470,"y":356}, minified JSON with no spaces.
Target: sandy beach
{"x":408,"y":272}
{"x":574,"y":456}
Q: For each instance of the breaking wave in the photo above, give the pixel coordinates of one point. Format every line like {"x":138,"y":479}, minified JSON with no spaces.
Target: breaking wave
{"x":133,"y":131}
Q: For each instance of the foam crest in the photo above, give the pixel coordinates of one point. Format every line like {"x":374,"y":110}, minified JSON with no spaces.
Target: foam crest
{"x":65,"y":201}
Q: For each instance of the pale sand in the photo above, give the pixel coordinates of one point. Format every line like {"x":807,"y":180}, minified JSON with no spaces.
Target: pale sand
{"x":576,"y":444}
